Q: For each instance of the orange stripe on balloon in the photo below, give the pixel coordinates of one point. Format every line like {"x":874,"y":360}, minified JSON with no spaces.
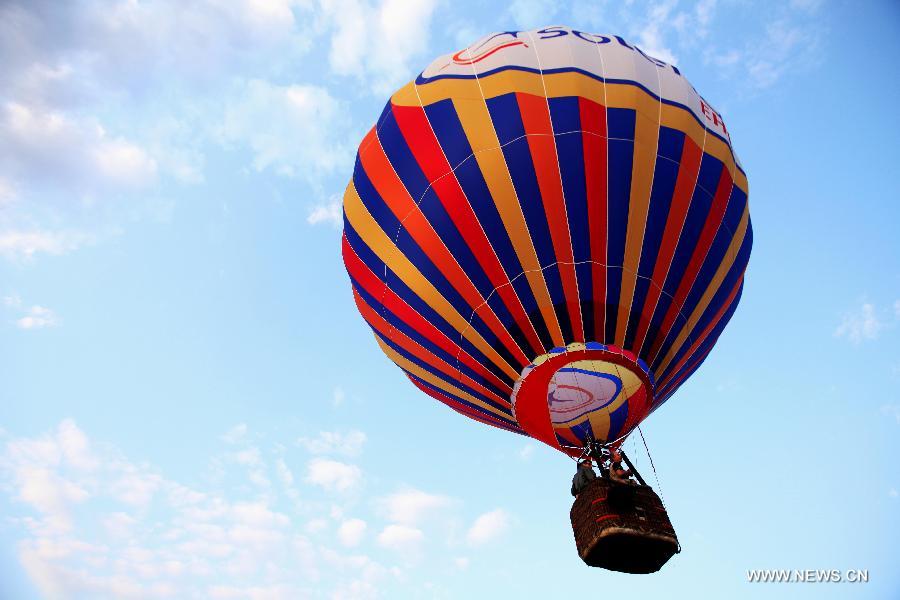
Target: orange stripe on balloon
{"x":704,"y":242}
{"x":376,"y":288}
{"x":464,"y":410}
{"x":664,"y":383}
{"x":390,"y":187}
{"x":426,"y":149}
{"x":404,"y":341}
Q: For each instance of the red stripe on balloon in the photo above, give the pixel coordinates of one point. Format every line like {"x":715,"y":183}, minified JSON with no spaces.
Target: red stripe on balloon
{"x":593,"y":138}
{"x":404,"y":341}
{"x":365,"y":278}
{"x":464,"y":409}
{"x":704,"y":242}
{"x":686,"y":181}
{"x":391,"y":188}
{"x":665,"y":385}
{"x":429,"y":155}
{"x":539,"y":131}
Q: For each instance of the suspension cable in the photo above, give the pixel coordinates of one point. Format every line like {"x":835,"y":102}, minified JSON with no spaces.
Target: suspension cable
{"x":652,"y":466}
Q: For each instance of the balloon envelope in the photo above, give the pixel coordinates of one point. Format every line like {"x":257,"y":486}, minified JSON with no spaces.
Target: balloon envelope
{"x":548,"y":232}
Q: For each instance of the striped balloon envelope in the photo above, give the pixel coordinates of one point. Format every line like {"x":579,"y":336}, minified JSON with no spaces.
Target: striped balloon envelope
{"x":548,"y":231}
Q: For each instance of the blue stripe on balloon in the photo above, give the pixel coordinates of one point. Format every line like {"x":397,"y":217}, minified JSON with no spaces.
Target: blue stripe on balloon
{"x":509,"y":424}
{"x":371,"y":260}
{"x":521,"y":170}
{"x":617,"y":420}
{"x":439,"y":374}
{"x":565,"y":116}
{"x":664,"y":177}
{"x":402,"y":326}
{"x":392,"y":227}
{"x":737,"y":203}
{"x":729,"y":281}
{"x":689,"y":367}
{"x":451,"y":136}
{"x":421,"y":80}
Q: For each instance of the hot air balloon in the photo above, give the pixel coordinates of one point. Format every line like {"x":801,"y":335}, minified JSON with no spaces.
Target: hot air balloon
{"x":547,"y":231}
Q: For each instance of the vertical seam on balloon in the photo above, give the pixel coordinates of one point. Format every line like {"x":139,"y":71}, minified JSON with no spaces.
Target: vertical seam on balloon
{"x":606,"y":187}
{"x":462,"y":190}
{"x":635,"y":232}
{"x":640,"y":245}
{"x":479,"y":337}
{"x":662,"y":284}
{"x":568,"y":231}
{"x":691,"y":321}
{"x":512,"y":187}
{"x":475,"y":365}
{"x":680,"y":313}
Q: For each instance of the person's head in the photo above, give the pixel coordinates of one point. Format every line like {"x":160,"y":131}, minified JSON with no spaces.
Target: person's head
{"x":586,"y":463}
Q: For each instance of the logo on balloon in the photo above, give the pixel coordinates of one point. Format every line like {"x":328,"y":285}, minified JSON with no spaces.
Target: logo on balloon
{"x":495,"y":43}
{"x":575,"y":392}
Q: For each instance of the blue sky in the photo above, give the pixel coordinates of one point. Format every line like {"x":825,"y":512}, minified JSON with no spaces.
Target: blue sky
{"x":191,"y":406}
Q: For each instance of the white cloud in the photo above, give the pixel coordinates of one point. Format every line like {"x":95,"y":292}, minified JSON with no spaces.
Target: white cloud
{"x":37,"y":317}
{"x":401,"y":537}
{"x":75,"y":446}
{"x":651,"y":34}
{"x":333,"y":442}
{"x":527,"y":451}
{"x":332,"y":475}
{"x":376,"y":42}
{"x":22,"y":245}
{"x":32,"y":138}
{"x":488,"y":527}
{"x":530,"y":14}
{"x":411,"y":506}
{"x":294,"y":130}
{"x":316,"y":526}
{"x":859,"y":325}
{"x":351,"y":532}
{"x":338,"y":397}
{"x":8,"y":193}
{"x":329,"y":213}
{"x":235,"y":434}
{"x":92,"y":523}
{"x":891,"y":410}
{"x":893,"y":493}
{"x":119,"y":525}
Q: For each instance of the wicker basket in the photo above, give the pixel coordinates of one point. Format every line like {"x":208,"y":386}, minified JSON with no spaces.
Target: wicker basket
{"x":622,"y":527}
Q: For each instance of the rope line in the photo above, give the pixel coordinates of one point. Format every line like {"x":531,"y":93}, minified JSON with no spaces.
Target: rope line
{"x":652,"y":466}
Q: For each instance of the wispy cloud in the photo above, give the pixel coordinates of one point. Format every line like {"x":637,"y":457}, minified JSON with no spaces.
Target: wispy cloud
{"x":401,"y":537}
{"x":410,"y":506}
{"x":95,"y":523}
{"x":866,"y":322}
{"x":488,"y":527}
{"x":23,"y":245}
{"x":294,"y":130}
{"x":33,"y":317}
{"x":351,"y":532}
{"x":891,"y":411}
{"x":329,"y":213}
{"x":333,"y":475}
{"x":349,"y":443}
{"x":37,"y":317}
{"x":375,"y":41}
